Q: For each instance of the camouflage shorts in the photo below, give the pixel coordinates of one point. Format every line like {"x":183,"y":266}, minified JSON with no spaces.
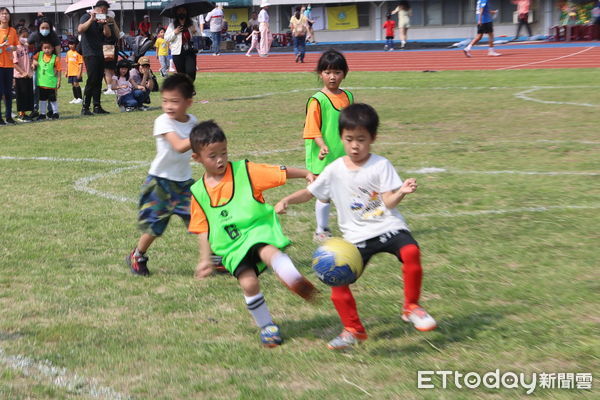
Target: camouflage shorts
{"x":159,"y":200}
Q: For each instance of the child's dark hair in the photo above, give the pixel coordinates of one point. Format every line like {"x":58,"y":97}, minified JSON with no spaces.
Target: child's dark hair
{"x":180,"y":82}
{"x":256,"y":28}
{"x":72,"y":40}
{"x":359,"y":115}
{"x":22,"y":30}
{"x":47,"y":41}
{"x":332,"y":59}
{"x":205,"y":133}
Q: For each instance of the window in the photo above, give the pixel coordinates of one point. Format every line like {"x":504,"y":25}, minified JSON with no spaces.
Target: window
{"x":364,"y":14}
{"x":433,"y":12}
{"x":468,"y":12}
{"x":451,"y":13}
{"x":505,"y":9}
{"x":417,"y":8}
{"x":285,"y":15}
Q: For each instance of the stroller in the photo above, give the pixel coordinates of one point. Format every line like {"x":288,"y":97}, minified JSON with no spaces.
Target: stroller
{"x":137,"y":45}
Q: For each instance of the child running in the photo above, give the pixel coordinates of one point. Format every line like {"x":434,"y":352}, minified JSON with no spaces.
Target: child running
{"x":239,"y":226}
{"x":74,"y":71}
{"x":254,"y":36}
{"x":23,"y":77}
{"x":166,"y":190}
{"x":322,"y":140}
{"x":48,"y":75}
{"x":389,"y":26}
{"x":366,"y":190}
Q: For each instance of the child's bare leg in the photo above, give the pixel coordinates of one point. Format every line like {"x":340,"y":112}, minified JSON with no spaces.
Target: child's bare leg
{"x":285,"y":270}
{"x":145,"y":242}
{"x":255,"y":301}
{"x":491,"y":40}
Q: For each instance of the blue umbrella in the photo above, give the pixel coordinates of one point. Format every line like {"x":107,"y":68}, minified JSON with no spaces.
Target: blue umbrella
{"x":194,"y":7}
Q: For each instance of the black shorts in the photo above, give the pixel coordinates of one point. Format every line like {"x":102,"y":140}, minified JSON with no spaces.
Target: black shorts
{"x":250,"y":261}
{"x":390,"y":242}
{"x":487,"y":27}
{"x":389,"y":37}
{"x":73,"y":79}
{"x":47,"y":94}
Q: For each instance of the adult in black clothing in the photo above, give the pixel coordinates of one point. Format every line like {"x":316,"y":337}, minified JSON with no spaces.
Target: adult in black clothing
{"x":45,"y":31}
{"x":94,"y":32}
{"x":179,"y":35}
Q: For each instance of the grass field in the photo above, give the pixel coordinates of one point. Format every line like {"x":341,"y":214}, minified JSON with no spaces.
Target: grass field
{"x":507,"y":222}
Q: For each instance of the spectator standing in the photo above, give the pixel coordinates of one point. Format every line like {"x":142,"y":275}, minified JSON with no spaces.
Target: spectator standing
{"x":74,"y":71}
{"x":596,"y":13}
{"x":215,"y":20}
{"x":145,"y":27}
{"x":253,"y":21}
{"x":265,"y":31}
{"x":93,"y":32}
{"x":179,"y":36}
{"x":404,"y":13}
{"x":389,"y":26}
{"x":9,"y":41}
{"x":45,"y":31}
{"x":309,"y":21}
{"x":484,"y":18}
{"x":109,"y":49}
{"x":522,"y":16}
{"x":162,"y":52}
{"x":299,"y":28}
{"x":23,"y":77}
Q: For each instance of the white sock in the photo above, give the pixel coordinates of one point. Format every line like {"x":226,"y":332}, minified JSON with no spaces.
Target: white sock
{"x":54,"y":107}
{"x":322,"y":214}
{"x":468,"y":47}
{"x":43,"y":107}
{"x":259,"y":310}
{"x":285,"y":269}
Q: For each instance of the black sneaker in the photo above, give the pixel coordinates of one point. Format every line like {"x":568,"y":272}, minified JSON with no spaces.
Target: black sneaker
{"x":100,"y":110}
{"x":34,"y":114}
{"x":41,"y":117}
{"x":11,"y":121}
{"x":86,"y":111}
{"x":54,"y":116}
{"x":2,"y":122}
{"x":137,"y":264}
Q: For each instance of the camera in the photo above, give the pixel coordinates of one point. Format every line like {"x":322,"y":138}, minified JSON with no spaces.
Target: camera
{"x":100,"y":16}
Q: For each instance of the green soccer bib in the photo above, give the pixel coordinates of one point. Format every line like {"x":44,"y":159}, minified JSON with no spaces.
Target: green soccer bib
{"x":242,"y":222}
{"x":331,"y":134}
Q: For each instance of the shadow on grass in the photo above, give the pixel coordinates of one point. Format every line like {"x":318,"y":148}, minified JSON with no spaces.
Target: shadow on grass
{"x":449,"y":331}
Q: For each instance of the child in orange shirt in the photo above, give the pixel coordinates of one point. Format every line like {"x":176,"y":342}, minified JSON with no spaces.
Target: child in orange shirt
{"x":8,"y":43}
{"x":48,"y":76}
{"x":74,"y":71}
{"x":322,"y":138}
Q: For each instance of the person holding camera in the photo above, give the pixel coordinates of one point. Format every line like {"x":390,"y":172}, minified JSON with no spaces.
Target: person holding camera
{"x":95,"y":28}
{"x":179,"y":35}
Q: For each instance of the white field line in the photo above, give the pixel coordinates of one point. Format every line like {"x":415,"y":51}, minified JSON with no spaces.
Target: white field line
{"x":524,"y":96}
{"x":436,"y":170}
{"x":547,"y":60}
{"x":82,"y":185}
{"x":60,"y":377}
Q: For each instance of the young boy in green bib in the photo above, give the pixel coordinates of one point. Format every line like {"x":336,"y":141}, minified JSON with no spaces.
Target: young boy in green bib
{"x":230,"y":215}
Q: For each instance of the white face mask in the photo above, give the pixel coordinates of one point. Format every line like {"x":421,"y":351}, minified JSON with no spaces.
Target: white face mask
{"x":44,"y":32}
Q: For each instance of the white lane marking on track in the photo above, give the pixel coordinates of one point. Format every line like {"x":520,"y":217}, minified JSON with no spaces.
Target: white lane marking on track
{"x":524,"y":96}
{"x":547,"y":60}
{"x":60,"y":377}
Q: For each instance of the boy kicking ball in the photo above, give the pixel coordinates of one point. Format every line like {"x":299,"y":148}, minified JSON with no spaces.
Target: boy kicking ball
{"x":366,"y":189}
{"x":232,"y":219}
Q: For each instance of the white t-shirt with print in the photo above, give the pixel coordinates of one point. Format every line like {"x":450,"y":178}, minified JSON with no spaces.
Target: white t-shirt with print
{"x":357,"y":197}
{"x":169,"y":163}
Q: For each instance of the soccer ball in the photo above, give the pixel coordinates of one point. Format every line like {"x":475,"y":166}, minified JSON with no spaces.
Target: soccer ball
{"x":337,"y":262}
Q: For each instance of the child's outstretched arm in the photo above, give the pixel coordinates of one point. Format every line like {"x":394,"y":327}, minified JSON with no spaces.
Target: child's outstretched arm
{"x":392,"y":198}
{"x":301,"y":196}
{"x":205,"y":266}
{"x":292,"y":173}
{"x":180,"y":145}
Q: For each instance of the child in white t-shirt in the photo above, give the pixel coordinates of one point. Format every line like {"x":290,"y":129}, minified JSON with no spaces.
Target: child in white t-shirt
{"x":366,"y":190}
{"x":166,"y":190}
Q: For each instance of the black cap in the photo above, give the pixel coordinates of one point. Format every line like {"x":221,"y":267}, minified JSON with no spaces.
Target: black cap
{"x":102,"y":3}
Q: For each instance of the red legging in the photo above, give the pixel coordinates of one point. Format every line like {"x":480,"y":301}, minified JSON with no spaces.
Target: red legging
{"x":412,"y":273}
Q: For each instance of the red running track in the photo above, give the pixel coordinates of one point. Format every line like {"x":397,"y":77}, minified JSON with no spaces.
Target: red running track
{"x":587,"y":55}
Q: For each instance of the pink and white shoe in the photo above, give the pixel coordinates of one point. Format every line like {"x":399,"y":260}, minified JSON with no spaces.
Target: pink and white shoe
{"x":467,"y":51}
{"x":492,"y":53}
{"x":417,"y":315}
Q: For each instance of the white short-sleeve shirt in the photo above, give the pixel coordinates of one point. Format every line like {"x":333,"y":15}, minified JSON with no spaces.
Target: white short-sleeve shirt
{"x":168,"y":162}
{"x":357,"y":195}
